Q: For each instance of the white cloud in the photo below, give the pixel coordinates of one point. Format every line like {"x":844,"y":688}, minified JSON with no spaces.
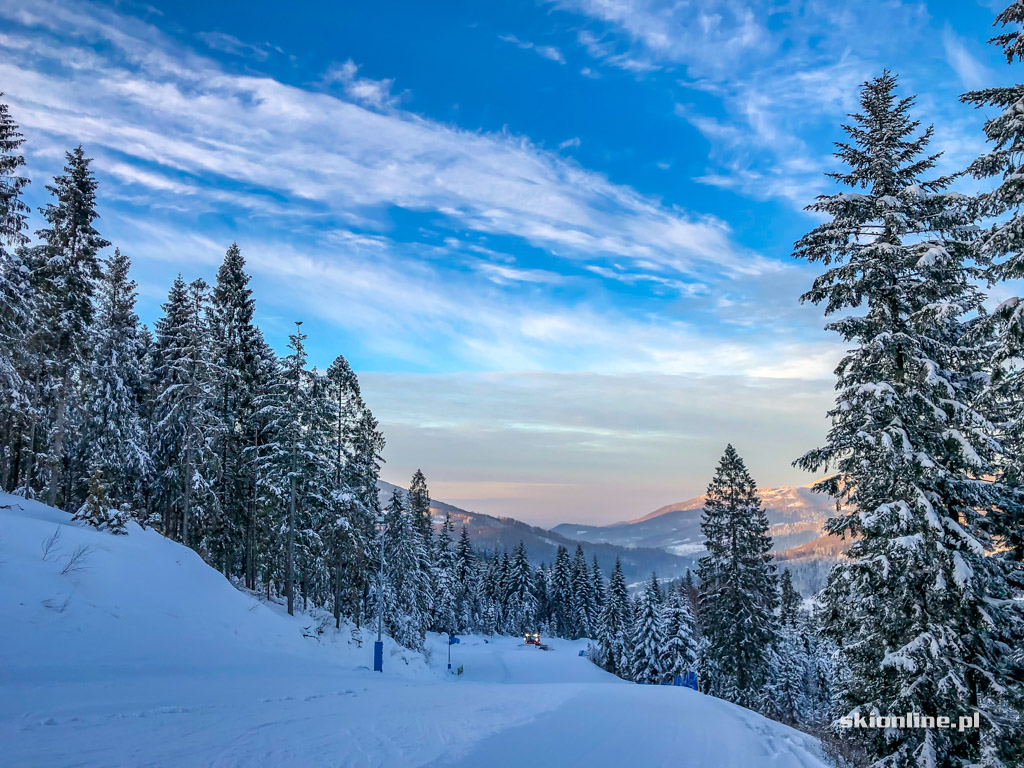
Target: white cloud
{"x":372,"y":93}
{"x":570,"y":143}
{"x":782,"y":76}
{"x":300,"y":170}
{"x":181,"y":115}
{"x":550,"y":52}
{"x":972,"y":73}
{"x":221,"y":41}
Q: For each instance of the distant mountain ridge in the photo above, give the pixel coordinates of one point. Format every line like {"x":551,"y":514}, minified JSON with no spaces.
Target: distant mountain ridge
{"x":667,"y":540}
{"x":504,"y":533}
{"x":796,"y":514}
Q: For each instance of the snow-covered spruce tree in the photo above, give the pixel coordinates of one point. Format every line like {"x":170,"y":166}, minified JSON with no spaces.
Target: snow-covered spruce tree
{"x":560,"y":594}
{"x":64,"y":306}
{"x":646,"y":642}
{"x":443,"y":595}
{"x":614,"y":624}
{"x":785,"y":694}
{"x":737,"y":585}
{"x":14,"y":300}
{"x":236,"y":349}
{"x":521,"y":611}
{"x":465,"y":582}
{"x":320,"y":506}
{"x":291,"y":425}
{"x":597,"y":589}
{"x":361,"y":475}
{"x":419,"y":504}
{"x":114,"y":438}
{"x":541,"y":578}
{"x":404,"y":567}
{"x":97,"y":510}
{"x":914,"y":605}
{"x":346,"y":532}
{"x":185,"y":463}
{"x":582,"y":606}
{"x":789,"y":599}
{"x":261,"y":531}
{"x":1002,"y":248}
{"x":680,"y":652}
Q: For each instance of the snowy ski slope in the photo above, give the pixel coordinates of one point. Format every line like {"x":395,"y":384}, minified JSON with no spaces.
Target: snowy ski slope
{"x":140,"y":654}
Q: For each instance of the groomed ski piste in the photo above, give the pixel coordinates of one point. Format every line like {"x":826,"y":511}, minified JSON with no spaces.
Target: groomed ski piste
{"x":131,"y":651}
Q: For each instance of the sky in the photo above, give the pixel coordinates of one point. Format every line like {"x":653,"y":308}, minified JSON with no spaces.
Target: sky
{"x":553,"y":238}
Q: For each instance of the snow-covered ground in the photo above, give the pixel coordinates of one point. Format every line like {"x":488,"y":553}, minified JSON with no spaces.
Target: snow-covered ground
{"x":140,"y":654}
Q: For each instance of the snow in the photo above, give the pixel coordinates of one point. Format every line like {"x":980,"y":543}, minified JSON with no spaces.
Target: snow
{"x":146,"y":656}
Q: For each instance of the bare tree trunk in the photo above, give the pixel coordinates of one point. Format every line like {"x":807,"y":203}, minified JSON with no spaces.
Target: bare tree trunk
{"x":60,"y":428}
{"x":290,"y":586}
{"x":187,"y":496}
{"x":337,"y":585}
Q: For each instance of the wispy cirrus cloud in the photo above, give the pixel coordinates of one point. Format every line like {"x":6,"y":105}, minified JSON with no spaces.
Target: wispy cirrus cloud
{"x":181,"y":117}
{"x":972,"y":73}
{"x":549,"y":52}
{"x":315,"y":176}
{"x":779,"y":76}
{"x":514,"y":276}
{"x":221,"y":41}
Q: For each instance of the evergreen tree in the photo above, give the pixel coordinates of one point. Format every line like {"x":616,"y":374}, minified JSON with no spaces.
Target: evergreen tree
{"x":64,"y":305}
{"x":561,"y":592}
{"x":914,"y":603}
{"x":97,"y":510}
{"x":789,"y":599}
{"x":114,"y":436}
{"x":14,"y":303}
{"x":614,"y":623}
{"x":419,"y":504}
{"x":185,"y":422}
{"x":1001,"y":247}
{"x":785,"y":697}
{"x":521,"y":611}
{"x":679,"y":654}
{"x":737,"y":584}
{"x":598,"y":591}
{"x":406,"y":574}
{"x":445,"y":585}
{"x":465,"y":580}
{"x":647,"y":637}
{"x":236,"y":351}
{"x":343,"y":389}
{"x":582,"y":605}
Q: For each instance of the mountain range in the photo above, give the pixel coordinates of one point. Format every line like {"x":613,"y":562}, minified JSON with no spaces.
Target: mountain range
{"x":667,"y":540}
{"x":489,"y":533}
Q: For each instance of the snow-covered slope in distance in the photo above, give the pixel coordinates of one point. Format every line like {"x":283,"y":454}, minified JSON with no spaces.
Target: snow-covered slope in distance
{"x":139,"y":654}
{"x":797,"y":516}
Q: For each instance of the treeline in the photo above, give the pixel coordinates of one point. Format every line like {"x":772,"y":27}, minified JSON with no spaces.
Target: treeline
{"x":197,"y":428}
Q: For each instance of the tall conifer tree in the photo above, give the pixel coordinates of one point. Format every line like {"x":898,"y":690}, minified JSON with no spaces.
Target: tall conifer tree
{"x":737,"y":585}
{"x":914,"y":603}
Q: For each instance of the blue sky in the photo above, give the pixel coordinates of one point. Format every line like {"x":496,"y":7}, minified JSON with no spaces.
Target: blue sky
{"x":552,"y":237}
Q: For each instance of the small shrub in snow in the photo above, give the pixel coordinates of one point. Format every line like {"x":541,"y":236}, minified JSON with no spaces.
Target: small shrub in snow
{"x":76,"y":561}
{"x":49,"y":544}
{"x":97,"y":510}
